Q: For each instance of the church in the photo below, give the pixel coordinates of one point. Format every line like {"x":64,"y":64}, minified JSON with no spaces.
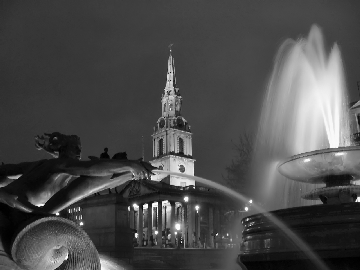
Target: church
{"x":168,"y":211}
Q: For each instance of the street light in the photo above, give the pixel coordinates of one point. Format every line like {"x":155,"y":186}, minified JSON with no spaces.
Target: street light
{"x":197,"y":208}
{"x":156,"y":241}
{"x":177,"y":227}
{"x":246,"y":208}
{"x":250,"y":201}
{"x":186,"y":198}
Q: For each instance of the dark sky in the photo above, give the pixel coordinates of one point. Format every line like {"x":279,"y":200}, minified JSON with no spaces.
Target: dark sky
{"x":97,"y":69}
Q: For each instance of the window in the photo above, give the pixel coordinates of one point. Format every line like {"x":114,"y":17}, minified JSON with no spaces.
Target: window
{"x":161,"y":147}
{"x":181,"y":146}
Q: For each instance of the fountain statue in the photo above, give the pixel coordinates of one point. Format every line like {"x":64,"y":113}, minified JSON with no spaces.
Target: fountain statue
{"x":305,"y":111}
{"x":31,"y":235}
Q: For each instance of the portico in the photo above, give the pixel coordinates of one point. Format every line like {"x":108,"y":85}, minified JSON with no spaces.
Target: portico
{"x":156,"y":207}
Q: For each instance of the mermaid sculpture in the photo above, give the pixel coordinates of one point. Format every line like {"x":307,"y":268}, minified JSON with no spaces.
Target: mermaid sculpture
{"x":31,"y":192}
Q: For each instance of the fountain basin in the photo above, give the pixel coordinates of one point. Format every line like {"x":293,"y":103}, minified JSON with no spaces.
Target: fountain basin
{"x":332,"y":232}
{"x":316,"y":166}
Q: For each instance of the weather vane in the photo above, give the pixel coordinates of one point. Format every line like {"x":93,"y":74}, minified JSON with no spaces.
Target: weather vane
{"x":170,"y":46}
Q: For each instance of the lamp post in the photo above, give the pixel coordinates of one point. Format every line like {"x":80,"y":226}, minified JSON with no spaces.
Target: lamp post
{"x":156,"y":233}
{"x":178,"y":227}
{"x":197,"y":226}
{"x":185,"y":222}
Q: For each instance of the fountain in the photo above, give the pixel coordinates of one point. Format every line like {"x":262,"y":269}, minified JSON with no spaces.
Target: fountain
{"x":305,"y":110}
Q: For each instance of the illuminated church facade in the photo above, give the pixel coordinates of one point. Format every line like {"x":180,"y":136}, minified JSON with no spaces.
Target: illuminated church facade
{"x":166,"y":211}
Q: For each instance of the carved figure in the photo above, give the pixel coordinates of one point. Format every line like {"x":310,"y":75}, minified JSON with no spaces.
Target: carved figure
{"x":41,"y":181}
{"x":47,"y":187}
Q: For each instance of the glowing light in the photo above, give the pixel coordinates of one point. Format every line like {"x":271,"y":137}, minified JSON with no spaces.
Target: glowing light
{"x":57,"y":214}
{"x":197,"y":208}
{"x":307,"y":159}
{"x":156,"y":232}
{"x":250,"y":201}
{"x":246,"y":208}
{"x":136,"y":235}
{"x":81,"y":223}
{"x":135,"y":205}
{"x":227,"y":234}
{"x":186,"y":198}
{"x":177,"y":226}
{"x":175,"y":233}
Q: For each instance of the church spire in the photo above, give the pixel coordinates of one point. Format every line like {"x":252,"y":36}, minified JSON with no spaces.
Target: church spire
{"x":171,"y":99}
{"x":170,"y":87}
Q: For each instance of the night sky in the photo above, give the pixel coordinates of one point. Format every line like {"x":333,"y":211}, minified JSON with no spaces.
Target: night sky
{"x":97,"y":69}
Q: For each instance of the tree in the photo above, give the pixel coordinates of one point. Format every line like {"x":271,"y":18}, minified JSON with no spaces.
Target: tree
{"x":238,"y":172}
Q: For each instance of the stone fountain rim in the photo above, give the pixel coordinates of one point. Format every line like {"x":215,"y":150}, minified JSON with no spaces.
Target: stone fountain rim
{"x":318,"y":175}
{"x":317,"y":152}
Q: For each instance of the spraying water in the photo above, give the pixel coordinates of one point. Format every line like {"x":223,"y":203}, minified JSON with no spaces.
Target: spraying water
{"x":305,"y":109}
{"x":300,"y":243}
{"x":109,"y":263}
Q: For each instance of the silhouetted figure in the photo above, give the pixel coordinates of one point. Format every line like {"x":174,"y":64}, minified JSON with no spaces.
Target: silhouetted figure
{"x":105,"y":155}
{"x":120,"y":156}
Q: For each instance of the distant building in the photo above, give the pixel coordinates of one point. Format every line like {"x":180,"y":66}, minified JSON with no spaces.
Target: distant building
{"x":354,"y":119}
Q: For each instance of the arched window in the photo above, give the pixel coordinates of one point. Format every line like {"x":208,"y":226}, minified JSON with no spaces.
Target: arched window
{"x":181,"y":146}
{"x":161,"y":147}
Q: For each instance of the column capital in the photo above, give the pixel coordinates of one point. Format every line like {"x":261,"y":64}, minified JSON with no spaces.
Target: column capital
{"x":172,"y":203}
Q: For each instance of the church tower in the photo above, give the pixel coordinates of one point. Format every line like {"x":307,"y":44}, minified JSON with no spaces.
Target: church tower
{"x":172,"y":137}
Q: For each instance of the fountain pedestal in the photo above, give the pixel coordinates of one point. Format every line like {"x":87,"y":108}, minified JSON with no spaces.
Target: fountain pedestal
{"x":331,"y":230}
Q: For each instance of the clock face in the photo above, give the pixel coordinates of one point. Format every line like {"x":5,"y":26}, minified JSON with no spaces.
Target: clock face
{"x":162,"y":123}
{"x":182,"y":168}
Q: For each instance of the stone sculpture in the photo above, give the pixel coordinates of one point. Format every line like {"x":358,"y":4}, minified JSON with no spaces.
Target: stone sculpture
{"x":31,"y":192}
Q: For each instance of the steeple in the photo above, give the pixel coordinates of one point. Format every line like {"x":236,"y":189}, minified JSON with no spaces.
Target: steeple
{"x":170,"y":87}
{"x":171,"y":99}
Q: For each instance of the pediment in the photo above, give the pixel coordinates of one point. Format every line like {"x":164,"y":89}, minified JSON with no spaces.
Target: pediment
{"x":137,"y":188}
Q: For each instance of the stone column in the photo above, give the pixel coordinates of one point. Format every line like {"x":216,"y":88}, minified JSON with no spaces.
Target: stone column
{"x":132,"y":216}
{"x":197,"y":227}
{"x":191,"y":223}
{"x":140,"y":225}
{"x":211,"y":226}
{"x":216,"y":221}
{"x":149,"y":225}
{"x":172,"y":222}
{"x":159,"y":228}
{"x":185,"y":225}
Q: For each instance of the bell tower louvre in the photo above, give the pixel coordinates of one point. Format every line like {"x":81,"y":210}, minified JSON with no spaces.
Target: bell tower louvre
{"x":172,"y":137}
